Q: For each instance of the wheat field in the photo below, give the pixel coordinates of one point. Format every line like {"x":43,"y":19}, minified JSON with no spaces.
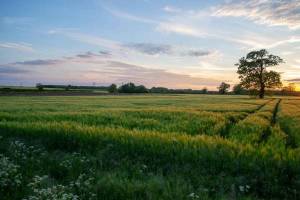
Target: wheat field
{"x":149,"y":147}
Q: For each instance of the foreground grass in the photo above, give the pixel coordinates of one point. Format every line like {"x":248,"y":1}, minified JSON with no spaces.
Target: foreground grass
{"x":171,"y":147}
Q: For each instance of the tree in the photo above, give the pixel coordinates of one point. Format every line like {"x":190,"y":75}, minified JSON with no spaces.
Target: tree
{"x":132,"y":88}
{"x":68,"y":87}
{"x":253,"y":72}
{"x":223,"y":88}
{"x":159,"y":90}
{"x":238,"y":89}
{"x":112,"y":88}
{"x":204,"y":91}
{"x":39,"y":86}
{"x":127,"y":88}
{"x":289,"y":89}
{"x":141,"y":89}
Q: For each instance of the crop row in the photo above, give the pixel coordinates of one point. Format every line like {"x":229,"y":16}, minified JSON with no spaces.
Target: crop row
{"x":289,"y":120}
{"x":165,"y":121}
{"x":258,"y":128}
{"x":266,"y":172}
{"x":90,"y":104}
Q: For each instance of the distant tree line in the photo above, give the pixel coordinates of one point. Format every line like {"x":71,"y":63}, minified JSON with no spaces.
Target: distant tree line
{"x":130,"y":87}
{"x":41,"y":86}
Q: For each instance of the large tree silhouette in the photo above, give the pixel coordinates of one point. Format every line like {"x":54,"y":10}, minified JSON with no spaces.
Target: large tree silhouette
{"x":253,"y":72}
{"x":223,"y":88}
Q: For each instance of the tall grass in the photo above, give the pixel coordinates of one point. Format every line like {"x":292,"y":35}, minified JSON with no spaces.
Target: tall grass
{"x":289,"y":120}
{"x":148,"y":147}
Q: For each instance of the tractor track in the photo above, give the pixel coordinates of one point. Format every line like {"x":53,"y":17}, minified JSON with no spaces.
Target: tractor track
{"x":233,"y":122}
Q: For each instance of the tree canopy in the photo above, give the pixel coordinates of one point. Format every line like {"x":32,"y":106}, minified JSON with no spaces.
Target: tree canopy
{"x":238,"y":89}
{"x":253,"y":72}
{"x":112,"y":88}
{"x":223,"y":88}
{"x":132,"y":88}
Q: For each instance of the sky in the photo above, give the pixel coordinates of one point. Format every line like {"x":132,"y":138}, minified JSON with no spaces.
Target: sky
{"x":175,"y":44}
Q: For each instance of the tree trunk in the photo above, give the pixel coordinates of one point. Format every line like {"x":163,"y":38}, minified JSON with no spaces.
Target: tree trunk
{"x":261,"y":81}
{"x":262,"y":92}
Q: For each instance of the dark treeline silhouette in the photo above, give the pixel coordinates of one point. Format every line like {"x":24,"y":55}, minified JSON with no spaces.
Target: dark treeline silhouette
{"x":41,"y":86}
{"x":130,"y":87}
{"x":238,"y":89}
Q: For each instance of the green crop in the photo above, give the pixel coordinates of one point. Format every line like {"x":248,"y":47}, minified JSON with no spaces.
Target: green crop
{"x":149,"y":147}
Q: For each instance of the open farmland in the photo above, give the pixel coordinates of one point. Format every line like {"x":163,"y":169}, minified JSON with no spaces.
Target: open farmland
{"x":149,"y":147}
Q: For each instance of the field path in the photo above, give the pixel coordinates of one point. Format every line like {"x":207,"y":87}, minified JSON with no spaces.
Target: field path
{"x":256,"y":127}
{"x":275,"y":112}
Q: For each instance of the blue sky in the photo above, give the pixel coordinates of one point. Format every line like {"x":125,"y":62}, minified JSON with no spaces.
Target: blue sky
{"x":176,"y":44}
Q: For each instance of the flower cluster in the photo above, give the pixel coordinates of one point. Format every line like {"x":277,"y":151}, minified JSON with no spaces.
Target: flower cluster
{"x":74,"y":159}
{"x":40,"y":192}
{"x":9,"y":174}
{"x":244,"y":188}
{"x":22,"y":152}
{"x":193,"y":196}
{"x":56,"y":192}
{"x":84,"y":186}
{"x":78,"y":189}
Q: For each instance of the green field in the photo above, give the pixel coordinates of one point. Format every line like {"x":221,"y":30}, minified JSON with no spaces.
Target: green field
{"x":149,"y":147}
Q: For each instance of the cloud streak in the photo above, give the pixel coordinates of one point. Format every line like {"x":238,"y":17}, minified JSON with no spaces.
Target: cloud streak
{"x":270,"y":12}
{"x":89,"y":54}
{"x":39,"y":62}
{"x":12,"y":70}
{"x":198,"y":53}
{"x":86,"y":38}
{"x":98,"y":68}
{"x":293,"y":80}
{"x":150,"y":48}
{"x":17,"y":46}
{"x":120,"y":72}
{"x":172,"y":9}
{"x":128,"y":16}
{"x":179,"y":28}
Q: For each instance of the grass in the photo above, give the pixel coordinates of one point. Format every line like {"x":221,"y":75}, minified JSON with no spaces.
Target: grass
{"x":149,"y":147}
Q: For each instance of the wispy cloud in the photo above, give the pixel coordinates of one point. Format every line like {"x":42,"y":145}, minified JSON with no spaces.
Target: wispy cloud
{"x":17,"y":46}
{"x":90,"y":54}
{"x":128,"y":16}
{"x":162,"y":25}
{"x":86,"y":38}
{"x":153,"y":49}
{"x":198,"y":53}
{"x":293,"y":80}
{"x":150,"y":48}
{"x":40,"y":62}
{"x":11,"y":70}
{"x":182,"y":29}
{"x":172,"y":9}
{"x":121,"y":72}
{"x":270,"y":12}
{"x":99,"y":68}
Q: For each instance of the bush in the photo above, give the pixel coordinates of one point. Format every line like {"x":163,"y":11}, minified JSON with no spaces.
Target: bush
{"x":132,"y":88}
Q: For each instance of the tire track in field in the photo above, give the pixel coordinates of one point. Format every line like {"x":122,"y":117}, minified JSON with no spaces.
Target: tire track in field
{"x":232,"y":122}
{"x":290,"y":138}
{"x":275,"y":112}
{"x":267,"y":133}
{"x":278,"y":131}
